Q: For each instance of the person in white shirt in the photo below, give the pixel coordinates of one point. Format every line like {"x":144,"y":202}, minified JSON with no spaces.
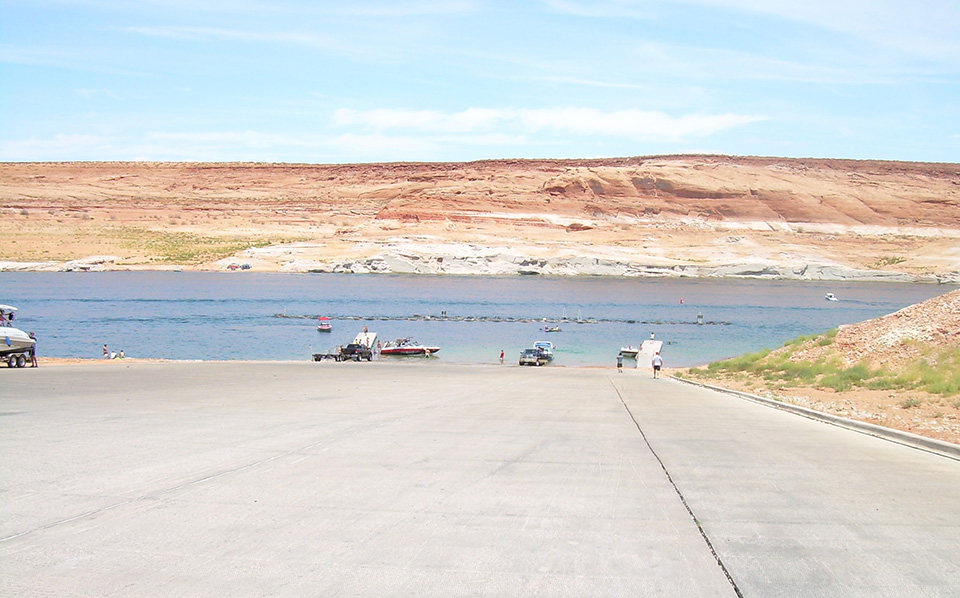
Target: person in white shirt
{"x":657,"y":363}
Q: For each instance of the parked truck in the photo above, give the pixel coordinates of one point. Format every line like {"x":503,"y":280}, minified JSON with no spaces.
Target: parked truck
{"x":360,"y":349}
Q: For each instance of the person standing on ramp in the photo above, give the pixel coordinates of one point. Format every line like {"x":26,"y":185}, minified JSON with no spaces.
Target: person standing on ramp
{"x":657,"y":363}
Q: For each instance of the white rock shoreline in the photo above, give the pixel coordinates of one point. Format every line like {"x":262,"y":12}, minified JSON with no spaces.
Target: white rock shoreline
{"x":603,"y":267}
{"x":494,"y":263}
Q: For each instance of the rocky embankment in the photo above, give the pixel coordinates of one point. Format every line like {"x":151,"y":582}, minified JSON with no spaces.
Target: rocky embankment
{"x":711,"y":216}
{"x":900,"y":371}
{"x":924,"y":332}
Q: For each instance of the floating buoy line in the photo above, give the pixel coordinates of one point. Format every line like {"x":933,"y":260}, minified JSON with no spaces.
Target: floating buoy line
{"x":508,"y":320}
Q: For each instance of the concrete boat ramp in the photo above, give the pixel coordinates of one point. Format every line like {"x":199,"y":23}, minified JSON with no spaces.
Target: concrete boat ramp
{"x":384,"y":479}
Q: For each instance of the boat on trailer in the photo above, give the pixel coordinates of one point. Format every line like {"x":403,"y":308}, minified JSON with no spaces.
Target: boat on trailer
{"x":545,"y":348}
{"x":15,"y":344}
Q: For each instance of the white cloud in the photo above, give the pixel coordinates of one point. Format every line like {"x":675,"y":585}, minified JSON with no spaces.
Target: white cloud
{"x":93,"y":93}
{"x":927,"y":28}
{"x":634,"y":124}
{"x":590,"y":82}
{"x":215,"y":33}
{"x":407,"y":8}
{"x":638,"y":124}
{"x":382,"y":146}
{"x":426,"y":120}
{"x":58,"y":147}
{"x":223,"y":139}
{"x":605,"y":8}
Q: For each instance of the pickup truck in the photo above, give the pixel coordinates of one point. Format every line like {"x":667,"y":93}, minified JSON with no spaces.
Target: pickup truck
{"x":361,"y":348}
{"x":356,"y":352}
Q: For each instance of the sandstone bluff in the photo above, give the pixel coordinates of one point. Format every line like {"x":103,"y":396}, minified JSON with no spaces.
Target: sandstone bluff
{"x":645,"y":216}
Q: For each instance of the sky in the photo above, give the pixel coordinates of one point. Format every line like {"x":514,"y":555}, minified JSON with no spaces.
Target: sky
{"x":460,"y":80}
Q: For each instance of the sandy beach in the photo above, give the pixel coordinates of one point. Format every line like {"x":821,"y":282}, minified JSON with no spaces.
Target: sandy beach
{"x":292,"y":479}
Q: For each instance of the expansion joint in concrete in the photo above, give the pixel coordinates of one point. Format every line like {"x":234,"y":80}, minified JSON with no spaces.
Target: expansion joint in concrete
{"x":683,"y":500}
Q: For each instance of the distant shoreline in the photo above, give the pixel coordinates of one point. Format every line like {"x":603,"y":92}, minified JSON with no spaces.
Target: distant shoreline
{"x":572,"y":267}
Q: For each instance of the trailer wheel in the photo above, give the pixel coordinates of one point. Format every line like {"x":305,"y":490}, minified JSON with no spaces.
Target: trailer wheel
{"x":12,"y":361}
{"x":21,"y":361}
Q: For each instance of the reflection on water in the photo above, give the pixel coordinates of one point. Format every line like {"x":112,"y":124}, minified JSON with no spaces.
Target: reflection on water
{"x":215,"y":315}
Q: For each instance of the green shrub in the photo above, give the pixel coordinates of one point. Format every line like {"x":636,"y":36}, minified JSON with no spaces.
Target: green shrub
{"x":937,"y":373}
{"x":847,"y":378}
{"x":828,"y":338}
{"x":889,"y":261}
{"x":744,"y":363}
{"x":883,"y":383}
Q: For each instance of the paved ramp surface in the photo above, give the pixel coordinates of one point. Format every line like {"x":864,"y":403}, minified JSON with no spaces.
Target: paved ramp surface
{"x":294,"y":479}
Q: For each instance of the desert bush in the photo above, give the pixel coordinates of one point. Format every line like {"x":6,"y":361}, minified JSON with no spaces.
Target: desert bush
{"x":828,"y":338}
{"x":889,"y":261}
{"x":180,"y":247}
{"x":937,"y":373}
{"x":845,"y":379}
{"x":744,"y":363}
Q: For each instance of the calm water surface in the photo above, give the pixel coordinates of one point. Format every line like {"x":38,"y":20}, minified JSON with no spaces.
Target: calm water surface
{"x":223,"y":316}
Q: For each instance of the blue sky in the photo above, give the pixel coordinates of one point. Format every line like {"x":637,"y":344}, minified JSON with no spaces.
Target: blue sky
{"x":453,"y":80}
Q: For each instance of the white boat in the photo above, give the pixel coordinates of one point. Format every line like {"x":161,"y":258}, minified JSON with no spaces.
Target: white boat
{"x":545,"y":348}
{"x":830,"y":297}
{"x":15,"y":344}
{"x":324,"y":325}
{"x":629,"y":351}
{"x":14,"y":340}
{"x":406,"y":346}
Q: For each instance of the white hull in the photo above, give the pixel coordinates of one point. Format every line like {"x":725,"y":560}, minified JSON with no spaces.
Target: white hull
{"x":546,"y":349}
{"x":409,"y":350}
{"x":406,"y":346}
{"x":14,"y":340}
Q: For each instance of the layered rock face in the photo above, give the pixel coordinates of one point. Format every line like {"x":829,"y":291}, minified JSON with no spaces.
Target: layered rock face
{"x":644,"y":216}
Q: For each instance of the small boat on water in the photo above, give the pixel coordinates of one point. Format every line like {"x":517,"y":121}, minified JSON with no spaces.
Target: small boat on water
{"x":324,"y":325}
{"x":830,"y":297}
{"x":406,"y":346}
{"x":630,"y":351}
{"x":551,"y":329}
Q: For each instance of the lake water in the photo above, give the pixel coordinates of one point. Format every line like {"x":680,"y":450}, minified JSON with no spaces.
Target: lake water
{"x":250,"y":315}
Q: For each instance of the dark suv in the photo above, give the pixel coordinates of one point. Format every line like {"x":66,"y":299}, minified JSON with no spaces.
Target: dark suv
{"x":532,"y":357}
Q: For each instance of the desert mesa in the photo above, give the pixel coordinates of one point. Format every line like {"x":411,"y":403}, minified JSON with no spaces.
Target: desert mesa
{"x":690,"y":215}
